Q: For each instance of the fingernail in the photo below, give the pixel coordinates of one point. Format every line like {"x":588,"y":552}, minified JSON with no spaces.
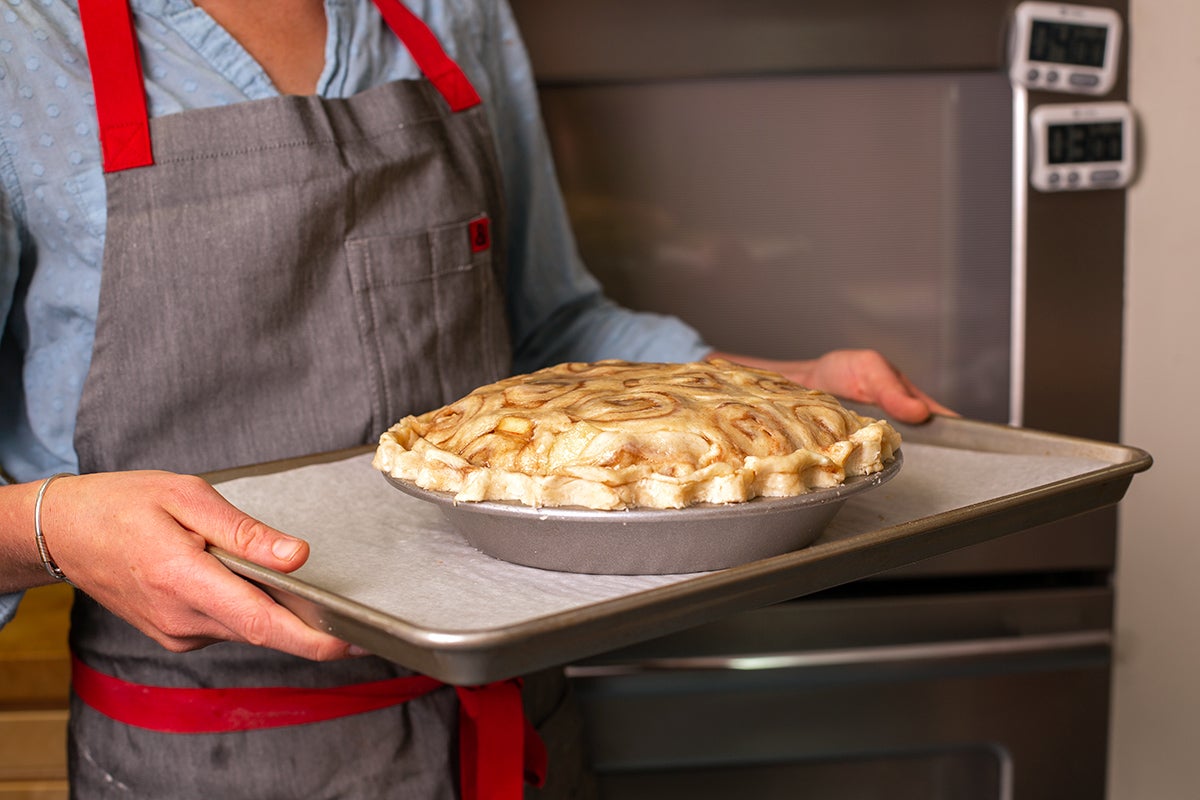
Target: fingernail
{"x":355,"y":651}
{"x":285,"y":549}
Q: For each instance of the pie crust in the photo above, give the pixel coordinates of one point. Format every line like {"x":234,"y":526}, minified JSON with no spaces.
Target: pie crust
{"x":616,"y":434}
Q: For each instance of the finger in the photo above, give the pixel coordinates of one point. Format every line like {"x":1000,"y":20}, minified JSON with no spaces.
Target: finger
{"x":934,"y":405}
{"x":890,"y":389}
{"x":247,"y":614}
{"x":200,"y":508}
{"x":899,"y":404}
{"x":213,"y":604}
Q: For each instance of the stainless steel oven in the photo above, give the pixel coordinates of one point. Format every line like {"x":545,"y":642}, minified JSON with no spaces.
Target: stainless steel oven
{"x":793,"y":177}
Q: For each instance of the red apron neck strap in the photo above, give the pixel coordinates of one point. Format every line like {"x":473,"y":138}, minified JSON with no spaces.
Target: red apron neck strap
{"x":117,"y":83}
{"x":119,"y":86}
{"x":446,"y":76}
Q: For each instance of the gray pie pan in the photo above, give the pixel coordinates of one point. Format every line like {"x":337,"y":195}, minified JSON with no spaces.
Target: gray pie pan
{"x":647,"y":541}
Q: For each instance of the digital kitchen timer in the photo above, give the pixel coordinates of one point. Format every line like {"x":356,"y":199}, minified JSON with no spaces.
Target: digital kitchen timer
{"x":1064,"y":48}
{"x":1081,"y":146}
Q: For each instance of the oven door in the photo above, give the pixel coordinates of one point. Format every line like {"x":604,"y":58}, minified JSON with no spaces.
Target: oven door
{"x":970,"y":696}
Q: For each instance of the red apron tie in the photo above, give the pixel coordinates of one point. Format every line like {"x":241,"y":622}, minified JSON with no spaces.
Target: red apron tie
{"x":499,"y":750}
{"x":441,"y":70}
{"x":117,"y":81}
{"x":487,"y":746}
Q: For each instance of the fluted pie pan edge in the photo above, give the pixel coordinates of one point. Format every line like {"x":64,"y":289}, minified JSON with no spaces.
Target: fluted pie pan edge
{"x":647,"y":541}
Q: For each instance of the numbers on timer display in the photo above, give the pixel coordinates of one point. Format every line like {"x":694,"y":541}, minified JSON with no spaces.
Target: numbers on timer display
{"x":1085,"y":142}
{"x":1064,"y":43}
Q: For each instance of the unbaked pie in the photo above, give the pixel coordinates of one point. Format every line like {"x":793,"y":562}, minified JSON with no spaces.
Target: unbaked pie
{"x":616,"y":434}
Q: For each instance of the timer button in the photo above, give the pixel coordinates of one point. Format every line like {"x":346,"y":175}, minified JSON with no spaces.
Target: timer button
{"x":1052,"y":76}
{"x":1084,"y":81}
{"x":1106,"y":176}
{"x":1072,"y":178}
{"x":1033,"y":75}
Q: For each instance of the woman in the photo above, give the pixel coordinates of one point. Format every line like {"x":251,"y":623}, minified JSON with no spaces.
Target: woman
{"x":311,"y":219}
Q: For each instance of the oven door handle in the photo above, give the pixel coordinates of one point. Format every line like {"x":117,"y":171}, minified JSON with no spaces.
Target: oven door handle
{"x":1056,"y":643}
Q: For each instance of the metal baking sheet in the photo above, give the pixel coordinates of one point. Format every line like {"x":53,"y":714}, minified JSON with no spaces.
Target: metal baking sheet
{"x":388,"y":572}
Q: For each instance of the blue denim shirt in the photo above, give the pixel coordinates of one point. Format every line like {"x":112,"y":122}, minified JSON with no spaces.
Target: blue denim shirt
{"x":52,"y":194}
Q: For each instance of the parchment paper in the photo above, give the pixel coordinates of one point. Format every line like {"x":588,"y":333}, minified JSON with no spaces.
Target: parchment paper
{"x":375,"y":545}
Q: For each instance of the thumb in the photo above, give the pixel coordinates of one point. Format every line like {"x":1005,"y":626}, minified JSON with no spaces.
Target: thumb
{"x":246,"y":537}
{"x":258,"y":542}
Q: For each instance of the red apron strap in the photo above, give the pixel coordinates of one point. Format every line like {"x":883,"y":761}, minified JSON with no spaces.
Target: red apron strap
{"x":499,"y":749}
{"x":446,"y":76}
{"x":493,"y":735}
{"x":119,"y":87}
{"x":172,"y":710}
{"x":117,"y":83}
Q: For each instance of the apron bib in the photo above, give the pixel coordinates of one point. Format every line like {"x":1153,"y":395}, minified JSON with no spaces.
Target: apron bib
{"x":280,"y":277}
{"x":292,"y":275}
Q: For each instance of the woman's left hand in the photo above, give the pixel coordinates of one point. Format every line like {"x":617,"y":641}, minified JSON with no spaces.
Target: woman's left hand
{"x":862,"y":376}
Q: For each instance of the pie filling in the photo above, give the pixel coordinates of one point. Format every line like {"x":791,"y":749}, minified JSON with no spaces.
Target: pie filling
{"x":616,"y":434}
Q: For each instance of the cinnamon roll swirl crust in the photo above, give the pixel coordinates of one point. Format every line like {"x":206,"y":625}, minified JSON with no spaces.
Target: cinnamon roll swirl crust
{"x":616,"y":434}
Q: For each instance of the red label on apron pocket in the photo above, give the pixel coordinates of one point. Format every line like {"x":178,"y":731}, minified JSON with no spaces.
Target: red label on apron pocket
{"x":480,"y":232}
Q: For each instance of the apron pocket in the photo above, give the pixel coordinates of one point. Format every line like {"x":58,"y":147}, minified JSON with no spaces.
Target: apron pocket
{"x":430,"y":315}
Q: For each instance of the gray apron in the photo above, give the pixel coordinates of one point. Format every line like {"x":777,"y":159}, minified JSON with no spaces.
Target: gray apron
{"x":292,"y":275}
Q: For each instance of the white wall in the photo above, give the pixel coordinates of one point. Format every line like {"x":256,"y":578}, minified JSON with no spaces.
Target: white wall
{"x":1156,"y":715}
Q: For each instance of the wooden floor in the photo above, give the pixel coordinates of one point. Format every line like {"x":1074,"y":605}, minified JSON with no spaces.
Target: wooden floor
{"x":34,"y":684}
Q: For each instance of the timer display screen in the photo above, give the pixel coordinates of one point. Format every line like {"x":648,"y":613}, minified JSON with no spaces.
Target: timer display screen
{"x":1085,"y":142}
{"x":1067,"y":43}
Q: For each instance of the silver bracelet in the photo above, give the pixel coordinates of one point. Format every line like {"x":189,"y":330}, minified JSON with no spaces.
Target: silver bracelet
{"x":47,"y":561}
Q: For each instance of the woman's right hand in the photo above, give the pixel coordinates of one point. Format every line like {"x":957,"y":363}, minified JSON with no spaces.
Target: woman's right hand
{"x":136,"y":543}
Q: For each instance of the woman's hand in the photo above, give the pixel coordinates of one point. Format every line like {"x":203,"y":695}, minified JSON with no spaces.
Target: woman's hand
{"x":135,"y":542}
{"x":862,"y":376}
